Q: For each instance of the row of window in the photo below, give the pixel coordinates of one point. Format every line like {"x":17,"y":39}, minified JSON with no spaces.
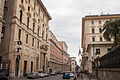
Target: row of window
{"x":98,"y":50}
{"x":34,"y":8}
{"x":92,"y":22}
{"x":27,"y":37}
{"x":100,"y":30}
{"x":93,"y":39}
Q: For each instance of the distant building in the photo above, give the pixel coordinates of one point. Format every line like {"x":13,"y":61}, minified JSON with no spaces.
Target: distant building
{"x":93,"y":42}
{"x":73,"y":63}
{"x":66,"y":56}
{"x":25,"y":41}
{"x":55,"y":58}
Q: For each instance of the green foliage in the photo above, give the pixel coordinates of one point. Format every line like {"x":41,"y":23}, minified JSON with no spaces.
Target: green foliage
{"x":111,"y":29}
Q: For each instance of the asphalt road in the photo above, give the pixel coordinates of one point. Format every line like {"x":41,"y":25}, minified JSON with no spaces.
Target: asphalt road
{"x":53,"y":77}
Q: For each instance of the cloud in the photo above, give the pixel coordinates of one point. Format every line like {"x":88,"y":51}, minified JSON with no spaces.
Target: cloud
{"x":67,"y":14}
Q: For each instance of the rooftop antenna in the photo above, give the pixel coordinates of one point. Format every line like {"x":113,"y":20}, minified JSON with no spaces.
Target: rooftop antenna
{"x":101,"y":11}
{"x":89,"y":13}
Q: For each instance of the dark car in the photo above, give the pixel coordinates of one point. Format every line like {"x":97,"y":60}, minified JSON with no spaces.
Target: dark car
{"x":33,"y":76}
{"x":66,"y":75}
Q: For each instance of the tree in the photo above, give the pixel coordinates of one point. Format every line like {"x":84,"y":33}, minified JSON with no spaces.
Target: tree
{"x":111,"y":30}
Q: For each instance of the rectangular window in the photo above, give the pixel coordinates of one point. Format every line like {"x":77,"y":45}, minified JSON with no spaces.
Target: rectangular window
{"x":26,"y":38}
{"x":19,"y":34}
{"x":100,"y":30}
{"x":92,"y":22}
{"x":42,"y":34}
{"x":32,"y":42}
{"x":100,"y":38}
{"x":39,"y":11}
{"x":3,"y":31}
{"x":38,"y":31}
{"x":22,"y":1}
{"x":37,"y":62}
{"x":38,"y":45}
{"x":28,"y":8}
{"x":93,"y":30}
{"x":28,"y":22}
{"x":93,"y":39}
{"x":33,"y":27}
{"x":99,"y":22}
{"x":21,"y":13}
{"x":97,"y":51}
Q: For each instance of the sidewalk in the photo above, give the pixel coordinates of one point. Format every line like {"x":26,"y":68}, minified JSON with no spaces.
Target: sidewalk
{"x":84,"y":77}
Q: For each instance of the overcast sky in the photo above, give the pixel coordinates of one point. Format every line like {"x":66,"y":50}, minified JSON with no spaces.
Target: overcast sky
{"x":67,"y":14}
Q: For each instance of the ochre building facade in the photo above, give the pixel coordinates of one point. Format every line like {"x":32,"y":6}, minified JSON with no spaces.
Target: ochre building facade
{"x":26,"y":36}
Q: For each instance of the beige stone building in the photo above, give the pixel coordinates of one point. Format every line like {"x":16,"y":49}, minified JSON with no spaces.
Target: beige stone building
{"x":93,"y":42}
{"x":1,"y":17}
{"x":26,"y":36}
{"x":73,"y":64}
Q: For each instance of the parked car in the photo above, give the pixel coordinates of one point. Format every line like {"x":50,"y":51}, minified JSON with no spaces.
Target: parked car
{"x":41,"y":75}
{"x":53,"y":73}
{"x":66,"y":75}
{"x":47,"y":74}
{"x":33,"y":76}
{"x":71,"y":74}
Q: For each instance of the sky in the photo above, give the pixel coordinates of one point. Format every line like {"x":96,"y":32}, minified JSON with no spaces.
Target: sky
{"x":67,"y":17}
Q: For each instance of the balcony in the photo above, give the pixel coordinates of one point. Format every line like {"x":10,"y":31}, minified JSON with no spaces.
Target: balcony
{"x":101,"y":42}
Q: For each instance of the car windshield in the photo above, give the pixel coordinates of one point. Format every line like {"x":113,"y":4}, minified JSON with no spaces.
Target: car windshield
{"x":66,"y":73}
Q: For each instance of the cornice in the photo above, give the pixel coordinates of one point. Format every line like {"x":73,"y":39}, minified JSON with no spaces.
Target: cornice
{"x":45,"y":10}
{"x":103,"y":17}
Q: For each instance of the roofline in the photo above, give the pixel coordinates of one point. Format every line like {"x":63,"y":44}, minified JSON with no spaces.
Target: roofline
{"x":96,"y":17}
{"x":44,"y":8}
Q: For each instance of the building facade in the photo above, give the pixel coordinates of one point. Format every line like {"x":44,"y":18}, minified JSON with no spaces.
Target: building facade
{"x":93,"y":43}
{"x":55,"y":54}
{"x":66,"y":56}
{"x":73,"y":64}
{"x":26,"y":36}
{"x":1,"y":17}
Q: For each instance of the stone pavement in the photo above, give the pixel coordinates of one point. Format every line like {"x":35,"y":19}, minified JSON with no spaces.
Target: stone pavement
{"x":84,"y":77}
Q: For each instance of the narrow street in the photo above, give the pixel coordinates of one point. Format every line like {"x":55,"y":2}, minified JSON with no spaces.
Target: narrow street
{"x":54,"y":77}
{"x":59,"y":77}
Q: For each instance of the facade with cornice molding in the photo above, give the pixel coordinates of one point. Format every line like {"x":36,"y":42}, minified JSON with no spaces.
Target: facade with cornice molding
{"x":26,"y":37}
{"x":66,"y":56}
{"x":55,"y":54}
{"x":93,"y":42}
